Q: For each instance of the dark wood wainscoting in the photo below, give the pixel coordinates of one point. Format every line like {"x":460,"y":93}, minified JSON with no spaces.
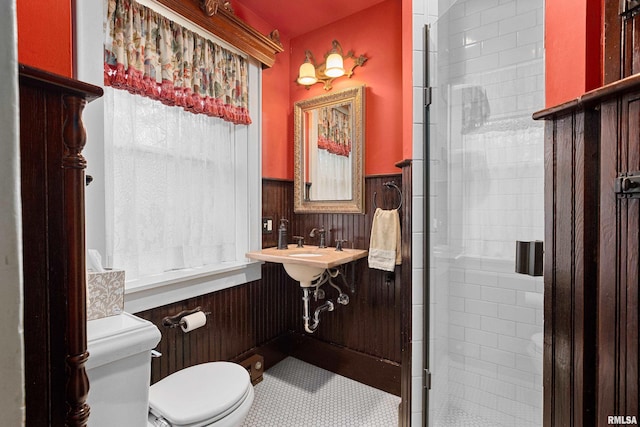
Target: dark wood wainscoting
{"x":265,"y":316}
{"x":242,"y":318}
{"x":592,"y":148}
{"x":571,"y":234}
{"x":375,"y":323}
{"x":277,"y":203}
{"x":370,"y":323}
{"x":619,"y":278}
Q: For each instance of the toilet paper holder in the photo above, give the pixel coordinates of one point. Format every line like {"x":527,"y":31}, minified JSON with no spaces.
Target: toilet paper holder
{"x":175,"y":320}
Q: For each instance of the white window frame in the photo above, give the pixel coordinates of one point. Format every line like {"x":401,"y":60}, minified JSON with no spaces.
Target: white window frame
{"x":173,"y":286}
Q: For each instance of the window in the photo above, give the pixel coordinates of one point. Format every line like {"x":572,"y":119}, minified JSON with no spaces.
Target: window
{"x":175,"y":194}
{"x":170,"y":187}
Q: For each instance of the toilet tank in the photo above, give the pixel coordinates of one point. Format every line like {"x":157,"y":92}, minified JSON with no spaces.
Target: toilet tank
{"x":119,"y":369}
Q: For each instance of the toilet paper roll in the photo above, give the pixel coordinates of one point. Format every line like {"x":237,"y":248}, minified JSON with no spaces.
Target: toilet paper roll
{"x":193,"y":321}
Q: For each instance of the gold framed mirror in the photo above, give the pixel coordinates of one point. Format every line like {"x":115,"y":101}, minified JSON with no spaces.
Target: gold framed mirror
{"x":329,"y":153}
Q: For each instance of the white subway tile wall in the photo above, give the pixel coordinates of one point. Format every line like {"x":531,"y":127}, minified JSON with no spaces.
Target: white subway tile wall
{"x":486,"y":66}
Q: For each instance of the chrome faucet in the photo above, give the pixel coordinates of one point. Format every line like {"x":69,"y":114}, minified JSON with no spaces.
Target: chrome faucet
{"x":322,"y":232}
{"x":339,"y":244}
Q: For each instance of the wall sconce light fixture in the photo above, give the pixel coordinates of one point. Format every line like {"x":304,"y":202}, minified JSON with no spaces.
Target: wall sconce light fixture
{"x":333,"y":67}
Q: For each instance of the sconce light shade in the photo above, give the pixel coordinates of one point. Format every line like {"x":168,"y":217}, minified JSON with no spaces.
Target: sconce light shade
{"x":307,"y":74}
{"x":335,"y":65}
{"x":312,"y":72}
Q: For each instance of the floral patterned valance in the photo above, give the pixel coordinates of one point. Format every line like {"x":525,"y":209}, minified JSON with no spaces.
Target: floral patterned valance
{"x":147,"y":54}
{"x":334,"y":131}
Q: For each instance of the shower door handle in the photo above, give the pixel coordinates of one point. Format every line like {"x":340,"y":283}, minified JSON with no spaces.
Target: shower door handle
{"x":529,"y":258}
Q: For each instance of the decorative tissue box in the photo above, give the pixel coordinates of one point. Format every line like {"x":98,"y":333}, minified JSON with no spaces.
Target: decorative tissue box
{"x":105,"y":294}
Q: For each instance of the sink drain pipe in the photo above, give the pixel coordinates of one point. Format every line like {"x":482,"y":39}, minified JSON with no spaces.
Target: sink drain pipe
{"x":327,"y":306}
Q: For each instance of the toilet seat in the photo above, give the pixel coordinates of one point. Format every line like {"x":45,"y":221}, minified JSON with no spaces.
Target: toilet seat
{"x":201,"y":394}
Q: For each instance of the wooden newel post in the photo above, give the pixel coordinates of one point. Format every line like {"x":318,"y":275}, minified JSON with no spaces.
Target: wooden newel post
{"x":74,"y":164}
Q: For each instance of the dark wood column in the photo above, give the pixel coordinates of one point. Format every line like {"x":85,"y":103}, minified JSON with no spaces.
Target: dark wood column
{"x":52,"y":137}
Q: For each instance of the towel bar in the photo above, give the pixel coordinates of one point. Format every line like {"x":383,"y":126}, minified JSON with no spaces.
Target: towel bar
{"x":389,"y":184}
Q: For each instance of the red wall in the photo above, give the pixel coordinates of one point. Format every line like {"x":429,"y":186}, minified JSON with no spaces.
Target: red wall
{"x":573,"y":66}
{"x":380,"y":36}
{"x":45,"y":41}
{"x":277,"y":158}
{"x":377,"y":33}
{"x":407,"y":79}
{"x":45,"y":35}
{"x":572,"y":48}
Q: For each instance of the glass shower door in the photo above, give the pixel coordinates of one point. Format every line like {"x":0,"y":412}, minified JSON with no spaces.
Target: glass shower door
{"x":485,"y":177}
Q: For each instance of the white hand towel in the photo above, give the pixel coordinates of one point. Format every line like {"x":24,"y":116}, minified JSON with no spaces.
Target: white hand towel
{"x":384,"y":246}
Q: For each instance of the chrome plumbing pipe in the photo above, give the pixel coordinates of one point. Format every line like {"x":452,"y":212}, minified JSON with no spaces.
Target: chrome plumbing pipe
{"x":327,"y":306}
{"x":342,"y":297}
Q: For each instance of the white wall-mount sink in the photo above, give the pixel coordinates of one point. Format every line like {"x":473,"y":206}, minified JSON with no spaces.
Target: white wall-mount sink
{"x":307,"y":264}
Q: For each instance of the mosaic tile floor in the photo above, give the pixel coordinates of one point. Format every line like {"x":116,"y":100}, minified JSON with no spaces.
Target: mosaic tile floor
{"x":456,"y":417}
{"x":297,"y":394}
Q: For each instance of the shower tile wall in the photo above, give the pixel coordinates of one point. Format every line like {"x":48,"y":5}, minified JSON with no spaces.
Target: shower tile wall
{"x":486,"y":192}
{"x":494,"y":366}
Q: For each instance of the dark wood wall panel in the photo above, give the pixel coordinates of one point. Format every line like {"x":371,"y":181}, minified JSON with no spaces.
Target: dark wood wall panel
{"x":592,"y":232}
{"x":242,"y":318}
{"x":370,"y":323}
{"x":43,"y":374}
{"x":571,"y":228}
{"x":621,"y":41}
{"x":612,"y":38}
{"x":277,"y":202}
{"x":618,"y":293}
{"x":248,"y":317}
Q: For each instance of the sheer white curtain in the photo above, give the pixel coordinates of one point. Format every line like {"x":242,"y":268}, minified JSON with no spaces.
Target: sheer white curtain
{"x":169,"y":186}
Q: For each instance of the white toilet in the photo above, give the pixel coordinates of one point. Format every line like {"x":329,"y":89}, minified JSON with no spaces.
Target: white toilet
{"x":216,"y":394}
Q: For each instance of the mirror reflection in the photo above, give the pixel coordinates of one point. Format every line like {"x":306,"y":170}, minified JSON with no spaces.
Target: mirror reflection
{"x":328,"y":152}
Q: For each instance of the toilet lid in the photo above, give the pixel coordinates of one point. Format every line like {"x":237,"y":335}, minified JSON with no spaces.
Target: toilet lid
{"x":199,"y":393}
